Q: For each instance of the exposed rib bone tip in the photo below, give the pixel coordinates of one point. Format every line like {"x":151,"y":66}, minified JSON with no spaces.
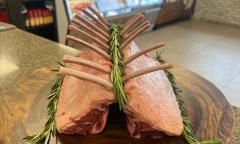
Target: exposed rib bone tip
{"x":148,"y":23}
{"x":65,"y":57}
{"x":161,"y":43}
{"x":61,"y":71}
{"x":73,"y":19}
{"x":147,"y":70}
{"x":141,"y":15}
{"x":68,"y":37}
{"x":169,"y":66}
{"x":135,"y":33}
{"x":70,"y":27}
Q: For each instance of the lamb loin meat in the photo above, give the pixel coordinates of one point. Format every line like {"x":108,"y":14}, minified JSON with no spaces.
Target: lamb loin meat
{"x":152,"y":108}
{"x":83,"y":105}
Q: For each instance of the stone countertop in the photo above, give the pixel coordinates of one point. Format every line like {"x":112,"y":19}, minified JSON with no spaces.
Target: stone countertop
{"x":21,"y":53}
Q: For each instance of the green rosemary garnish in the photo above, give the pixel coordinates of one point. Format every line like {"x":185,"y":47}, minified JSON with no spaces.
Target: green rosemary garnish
{"x":49,"y":130}
{"x":187,"y":133}
{"x":117,"y":68}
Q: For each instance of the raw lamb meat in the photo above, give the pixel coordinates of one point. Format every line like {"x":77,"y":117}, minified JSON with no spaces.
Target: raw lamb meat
{"x":152,"y":108}
{"x":83,"y":106}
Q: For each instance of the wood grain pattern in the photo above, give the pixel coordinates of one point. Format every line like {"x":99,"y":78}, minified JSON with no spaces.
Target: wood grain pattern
{"x":23,"y":111}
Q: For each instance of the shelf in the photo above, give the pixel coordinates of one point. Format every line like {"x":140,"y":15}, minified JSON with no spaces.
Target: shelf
{"x":38,"y":27}
{"x":15,"y":8}
{"x":33,"y":0}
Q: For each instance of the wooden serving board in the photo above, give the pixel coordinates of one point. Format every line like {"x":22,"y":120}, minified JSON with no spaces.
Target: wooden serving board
{"x":23,"y":111}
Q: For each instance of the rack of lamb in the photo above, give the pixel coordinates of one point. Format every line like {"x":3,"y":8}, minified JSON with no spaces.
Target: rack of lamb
{"x":114,"y":70}
{"x":87,"y":90}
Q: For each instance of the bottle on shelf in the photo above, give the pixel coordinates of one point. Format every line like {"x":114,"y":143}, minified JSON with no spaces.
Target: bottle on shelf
{"x":44,"y":17}
{"x":48,"y":17}
{"x":51,"y":17}
{"x":36,"y":17}
{"x":40,"y":16}
{"x":32,"y":19}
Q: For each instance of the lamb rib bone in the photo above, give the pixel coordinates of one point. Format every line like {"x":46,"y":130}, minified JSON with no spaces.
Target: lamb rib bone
{"x":146,"y":23}
{"x":92,"y":47}
{"x":98,"y":15}
{"x":146,"y":70}
{"x":134,"y":34}
{"x":133,"y":18}
{"x":141,"y":52}
{"x":87,"y":22}
{"x":85,"y":76}
{"x":97,"y":20}
{"x":97,"y":41}
{"x":82,"y":61}
{"x":88,"y":28}
{"x":132,"y":23}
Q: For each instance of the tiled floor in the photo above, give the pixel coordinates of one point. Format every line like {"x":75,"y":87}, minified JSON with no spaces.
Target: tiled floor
{"x":209,"y":49}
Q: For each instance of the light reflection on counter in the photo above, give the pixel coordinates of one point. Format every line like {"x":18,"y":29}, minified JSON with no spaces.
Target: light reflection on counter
{"x":7,"y":67}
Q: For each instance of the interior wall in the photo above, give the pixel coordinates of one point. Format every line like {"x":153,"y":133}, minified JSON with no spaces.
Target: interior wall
{"x":222,"y":11}
{"x":61,"y":21}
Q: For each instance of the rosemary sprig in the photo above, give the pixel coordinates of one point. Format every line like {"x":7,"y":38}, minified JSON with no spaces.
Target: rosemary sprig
{"x":49,"y":130}
{"x":187,"y":133}
{"x":117,"y":68}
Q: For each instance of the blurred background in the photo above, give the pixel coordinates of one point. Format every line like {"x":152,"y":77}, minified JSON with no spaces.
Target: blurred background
{"x":49,"y":18}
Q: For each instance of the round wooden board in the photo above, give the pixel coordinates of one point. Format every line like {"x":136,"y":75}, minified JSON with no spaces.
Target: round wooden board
{"x":23,"y":111}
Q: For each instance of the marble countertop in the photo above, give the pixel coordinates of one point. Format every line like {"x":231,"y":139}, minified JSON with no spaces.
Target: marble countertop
{"x":21,"y":53}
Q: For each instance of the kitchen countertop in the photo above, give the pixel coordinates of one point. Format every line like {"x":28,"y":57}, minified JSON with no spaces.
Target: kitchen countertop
{"x":21,"y":53}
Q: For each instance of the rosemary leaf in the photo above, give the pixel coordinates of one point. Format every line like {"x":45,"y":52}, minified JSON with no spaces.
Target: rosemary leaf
{"x":61,"y":64}
{"x":117,"y":69}
{"x":187,"y":133}
{"x":49,"y":130}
